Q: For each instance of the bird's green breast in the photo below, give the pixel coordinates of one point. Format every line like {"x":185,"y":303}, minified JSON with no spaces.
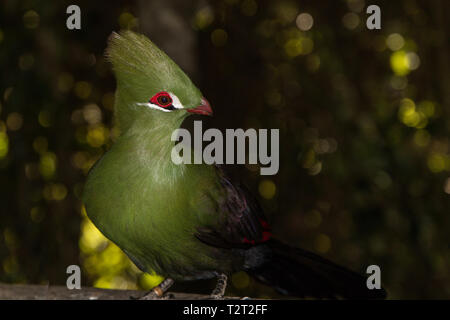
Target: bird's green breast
{"x":151,"y":208}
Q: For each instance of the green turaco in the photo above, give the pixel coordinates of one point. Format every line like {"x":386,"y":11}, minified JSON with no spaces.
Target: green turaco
{"x":188,"y":221}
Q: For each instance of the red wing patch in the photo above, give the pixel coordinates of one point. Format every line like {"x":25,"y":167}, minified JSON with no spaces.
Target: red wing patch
{"x":266,"y":234}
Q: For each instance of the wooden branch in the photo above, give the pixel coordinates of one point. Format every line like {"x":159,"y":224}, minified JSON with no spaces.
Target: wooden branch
{"x":42,"y":292}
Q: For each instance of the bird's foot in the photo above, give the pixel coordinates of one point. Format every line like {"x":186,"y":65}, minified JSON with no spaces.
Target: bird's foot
{"x":158,"y":292}
{"x":216,"y":297}
{"x":219,"y":290}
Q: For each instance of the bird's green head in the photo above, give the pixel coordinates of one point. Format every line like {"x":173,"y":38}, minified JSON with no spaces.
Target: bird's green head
{"x":151,"y":88}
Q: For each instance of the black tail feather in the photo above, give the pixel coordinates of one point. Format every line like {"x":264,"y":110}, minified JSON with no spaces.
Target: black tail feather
{"x":296,"y":272}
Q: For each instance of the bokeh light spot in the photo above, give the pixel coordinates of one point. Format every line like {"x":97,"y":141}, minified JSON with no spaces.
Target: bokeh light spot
{"x":437,"y":162}
{"x":383,"y":180}
{"x":97,"y":136}
{"x":44,"y":118}
{"x":83,"y":89}
{"x":286,"y":11}
{"x":299,"y":46}
{"x":79,"y":159}
{"x":92,"y":114}
{"x":313,"y":62}
{"x":40,"y":144}
{"x":267,"y":189}
{"x":10,"y":265}
{"x":410,"y":116}
{"x":427,"y":108}
{"x":447,"y":186}
{"x":4,"y":144}
{"x":309,"y":159}
{"x":59,"y":191}
{"x":11,"y":239}
{"x":350,"y":20}
{"x":219,"y":37}
{"x":47,"y":165}
{"x":421,"y":138}
{"x":398,"y":82}
{"x":322,"y":243}
{"x":149,"y":281}
{"x":304,"y":21}
{"x":399,"y":63}
{"x":313,"y":219}
{"x":37,"y":214}
{"x":65,"y":82}
{"x":108,"y":100}
{"x":240,"y":280}
{"x":412,"y":60}
{"x":26,"y":61}
{"x":31,"y":19}
{"x":273,"y":97}
{"x":315,"y":169}
{"x":91,"y":239}
{"x":55,"y":192}
{"x":395,"y":41}
{"x":32,"y":171}
{"x":203,"y":18}
{"x":7,"y":93}
{"x":103,"y":259}
{"x":14,"y":121}
{"x":128,"y":21}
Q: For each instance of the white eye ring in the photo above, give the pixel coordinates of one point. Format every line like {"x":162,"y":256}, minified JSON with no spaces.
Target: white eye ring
{"x":176,"y":103}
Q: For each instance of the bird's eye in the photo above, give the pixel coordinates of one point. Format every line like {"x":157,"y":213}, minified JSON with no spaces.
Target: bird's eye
{"x":162,"y":99}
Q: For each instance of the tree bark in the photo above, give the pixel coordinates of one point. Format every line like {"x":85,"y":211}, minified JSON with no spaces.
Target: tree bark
{"x":42,"y":292}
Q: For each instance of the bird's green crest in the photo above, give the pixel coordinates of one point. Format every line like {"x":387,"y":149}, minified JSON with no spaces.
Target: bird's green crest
{"x":142,"y":70}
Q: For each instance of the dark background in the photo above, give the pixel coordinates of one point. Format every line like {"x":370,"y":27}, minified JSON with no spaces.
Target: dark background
{"x":364,"y":119}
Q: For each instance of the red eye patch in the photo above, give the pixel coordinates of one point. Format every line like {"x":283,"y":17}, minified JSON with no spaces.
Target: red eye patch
{"x":162,"y":99}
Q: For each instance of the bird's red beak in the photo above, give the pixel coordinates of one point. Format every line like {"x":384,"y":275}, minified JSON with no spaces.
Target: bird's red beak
{"x":204,"y":108}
